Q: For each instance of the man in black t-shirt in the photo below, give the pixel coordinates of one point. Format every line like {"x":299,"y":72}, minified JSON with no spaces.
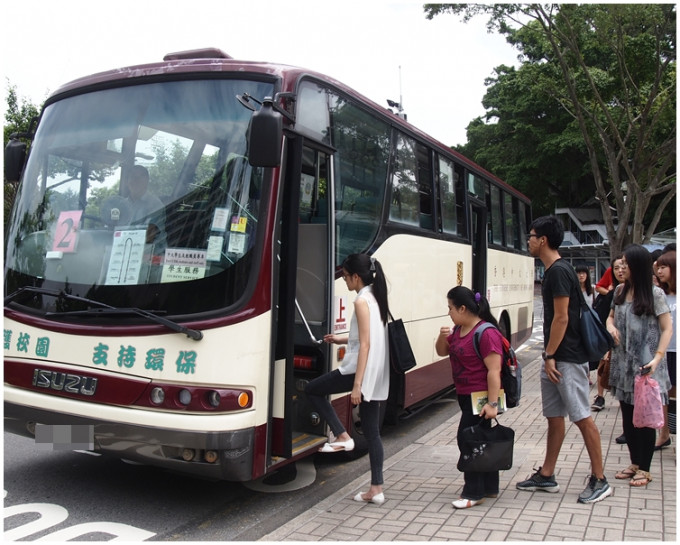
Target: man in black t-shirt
{"x":565,"y":389}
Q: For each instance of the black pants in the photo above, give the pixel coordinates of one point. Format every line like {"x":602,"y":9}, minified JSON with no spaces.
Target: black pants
{"x":477,"y":485}
{"x":335,"y":382}
{"x":640,"y":441}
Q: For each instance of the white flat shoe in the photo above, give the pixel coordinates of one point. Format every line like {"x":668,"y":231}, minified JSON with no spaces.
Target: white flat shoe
{"x":377,"y":499}
{"x":462,"y":503}
{"x":338,"y":446}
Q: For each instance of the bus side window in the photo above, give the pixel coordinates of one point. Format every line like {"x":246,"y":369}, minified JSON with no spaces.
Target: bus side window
{"x":405,"y":202}
{"x":496,"y":216}
{"x":425,"y":187}
{"x":448,"y":207}
{"x":524,"y":219}
{"x":511,"y":233}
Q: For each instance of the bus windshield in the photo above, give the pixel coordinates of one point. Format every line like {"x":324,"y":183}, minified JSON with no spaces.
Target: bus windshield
{"x":140,"y":196}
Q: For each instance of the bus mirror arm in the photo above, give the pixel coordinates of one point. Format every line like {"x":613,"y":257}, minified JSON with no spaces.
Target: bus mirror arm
{"x":304,"y":320}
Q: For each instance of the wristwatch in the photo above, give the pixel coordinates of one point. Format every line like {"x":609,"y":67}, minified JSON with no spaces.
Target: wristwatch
{"x":548,"y":356}
{"x":494,"y":404}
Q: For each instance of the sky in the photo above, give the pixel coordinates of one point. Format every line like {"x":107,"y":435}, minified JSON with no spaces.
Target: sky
{"x":383,"y":49}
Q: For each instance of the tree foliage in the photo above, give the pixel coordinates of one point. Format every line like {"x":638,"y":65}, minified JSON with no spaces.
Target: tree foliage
{"x":593,"y":103}
{"x":18,"y":116}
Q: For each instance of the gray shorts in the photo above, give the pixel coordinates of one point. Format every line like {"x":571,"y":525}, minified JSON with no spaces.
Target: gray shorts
{"x":569,"y":397}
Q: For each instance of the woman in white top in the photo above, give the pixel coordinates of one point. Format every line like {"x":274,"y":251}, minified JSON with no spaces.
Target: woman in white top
{"x":365,"y":370}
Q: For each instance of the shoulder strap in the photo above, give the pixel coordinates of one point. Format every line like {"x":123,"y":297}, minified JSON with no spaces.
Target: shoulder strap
{"x":478,"y":336}
{"x":568,"y":267}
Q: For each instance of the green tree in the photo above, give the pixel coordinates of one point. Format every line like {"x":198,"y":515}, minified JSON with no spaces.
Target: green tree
{"x":18,"y":118}
{"x":529,"y":143}
{"x":611,"y":69}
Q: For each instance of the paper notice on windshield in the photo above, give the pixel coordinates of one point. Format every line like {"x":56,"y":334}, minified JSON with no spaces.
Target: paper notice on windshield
{"x":182,"y":264}
{"x":220,"y":218}
{"x":66,"y":234}
{"x":127,"y":252}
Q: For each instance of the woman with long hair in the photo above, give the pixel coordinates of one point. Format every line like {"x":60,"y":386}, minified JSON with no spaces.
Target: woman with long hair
{"x":665,"y":272}
{"x":640,"y":323}
{"x":583,"y":274}
{"x":471,"y":373}
{"x":364,"y":371}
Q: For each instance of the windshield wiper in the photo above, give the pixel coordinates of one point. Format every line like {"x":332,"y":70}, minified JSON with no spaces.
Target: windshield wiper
{"x":103,"y":309}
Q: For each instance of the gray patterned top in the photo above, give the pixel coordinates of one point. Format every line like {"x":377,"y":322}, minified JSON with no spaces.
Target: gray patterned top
{"x":639,"y":341}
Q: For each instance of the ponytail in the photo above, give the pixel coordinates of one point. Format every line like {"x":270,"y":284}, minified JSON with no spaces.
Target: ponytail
{"x":371,"y":273}
{"x":474,"y":302}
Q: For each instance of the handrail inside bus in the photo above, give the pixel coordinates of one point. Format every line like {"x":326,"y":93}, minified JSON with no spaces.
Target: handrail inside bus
{"x":304,"y":320}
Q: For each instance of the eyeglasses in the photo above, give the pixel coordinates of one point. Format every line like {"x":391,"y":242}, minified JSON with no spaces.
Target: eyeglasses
{"x":529,"y":235}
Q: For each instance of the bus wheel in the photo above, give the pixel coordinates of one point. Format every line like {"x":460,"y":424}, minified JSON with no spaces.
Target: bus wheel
{"x":504,"y":326}
{"x":360,"y":442}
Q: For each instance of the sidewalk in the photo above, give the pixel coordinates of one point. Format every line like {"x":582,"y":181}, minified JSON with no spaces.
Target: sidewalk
{"x":422,"y":480}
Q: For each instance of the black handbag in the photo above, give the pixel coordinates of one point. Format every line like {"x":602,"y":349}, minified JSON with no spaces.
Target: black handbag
{"x":401,"y":354}
{"x":485,"y":448}
{"x":596,"y":339}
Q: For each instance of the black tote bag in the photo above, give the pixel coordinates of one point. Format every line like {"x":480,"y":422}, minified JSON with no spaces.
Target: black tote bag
{"x":486,"y":448}
{"x":401,"y":354}
{"x":596,"y":339}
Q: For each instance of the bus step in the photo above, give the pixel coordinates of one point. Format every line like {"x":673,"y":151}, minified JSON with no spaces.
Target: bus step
{"x":304,"y":441}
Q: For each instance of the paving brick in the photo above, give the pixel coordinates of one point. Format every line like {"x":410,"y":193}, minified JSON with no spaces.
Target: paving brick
{"x":421,"y":482}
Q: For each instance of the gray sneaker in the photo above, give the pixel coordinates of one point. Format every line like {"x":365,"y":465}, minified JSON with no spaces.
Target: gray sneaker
{"x":598,"y":403}
{"x":539,"y":482}
{"x":597,"y":490}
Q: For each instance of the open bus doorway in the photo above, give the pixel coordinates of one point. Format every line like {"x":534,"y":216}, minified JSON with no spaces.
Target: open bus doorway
{"x":305,"y":286}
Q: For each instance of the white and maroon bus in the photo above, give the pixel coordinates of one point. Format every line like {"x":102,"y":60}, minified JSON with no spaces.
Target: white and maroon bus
{"x":182,"y":336}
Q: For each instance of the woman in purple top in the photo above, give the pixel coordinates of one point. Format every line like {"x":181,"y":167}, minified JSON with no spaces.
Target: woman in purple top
{"x":471,"y":374}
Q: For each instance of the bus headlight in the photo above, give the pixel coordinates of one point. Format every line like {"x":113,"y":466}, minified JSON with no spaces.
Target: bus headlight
{"x":157,"y":396}
{"x":184,"y":396}
{"x":214,"y":398}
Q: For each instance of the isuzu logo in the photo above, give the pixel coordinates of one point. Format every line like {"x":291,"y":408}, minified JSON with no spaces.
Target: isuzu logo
{"x":64,"y":382}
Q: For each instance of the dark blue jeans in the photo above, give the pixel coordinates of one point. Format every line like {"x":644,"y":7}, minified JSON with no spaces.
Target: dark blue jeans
{"x":477,"y":485}
{"x":335,"y":382}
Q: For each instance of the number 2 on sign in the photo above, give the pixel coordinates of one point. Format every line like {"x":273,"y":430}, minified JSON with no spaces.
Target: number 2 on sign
{"x":66,"y":235}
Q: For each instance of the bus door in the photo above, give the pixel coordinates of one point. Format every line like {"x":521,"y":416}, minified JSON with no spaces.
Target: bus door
{"x":307,"y":246}
{"x":478,"y":238}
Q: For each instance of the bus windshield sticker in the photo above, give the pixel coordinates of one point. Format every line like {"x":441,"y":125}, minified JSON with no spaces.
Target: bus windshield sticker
{"x":239,"y":224}
{"x":220,"y":217}
{"x":182,"y":264}
{"x":215,"y":244}
{"x":237,"y":243}
{"x":66,"y":234}
{"x":126,"y":257}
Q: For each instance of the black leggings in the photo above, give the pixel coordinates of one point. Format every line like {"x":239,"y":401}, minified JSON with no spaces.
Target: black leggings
{"x":335,"y":382}
{"x":640,"y":441}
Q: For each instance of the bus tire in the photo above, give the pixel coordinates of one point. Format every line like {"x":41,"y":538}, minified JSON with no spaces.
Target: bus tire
{"x":360,"y":442}
{"x":504,"y":326}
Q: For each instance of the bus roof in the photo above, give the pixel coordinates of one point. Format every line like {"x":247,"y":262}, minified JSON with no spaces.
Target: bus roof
{"x":214,"y":60}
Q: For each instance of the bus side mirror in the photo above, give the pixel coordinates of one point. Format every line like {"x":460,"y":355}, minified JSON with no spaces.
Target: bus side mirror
{"x":15,"y":158}
{"x":265,"y":135}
